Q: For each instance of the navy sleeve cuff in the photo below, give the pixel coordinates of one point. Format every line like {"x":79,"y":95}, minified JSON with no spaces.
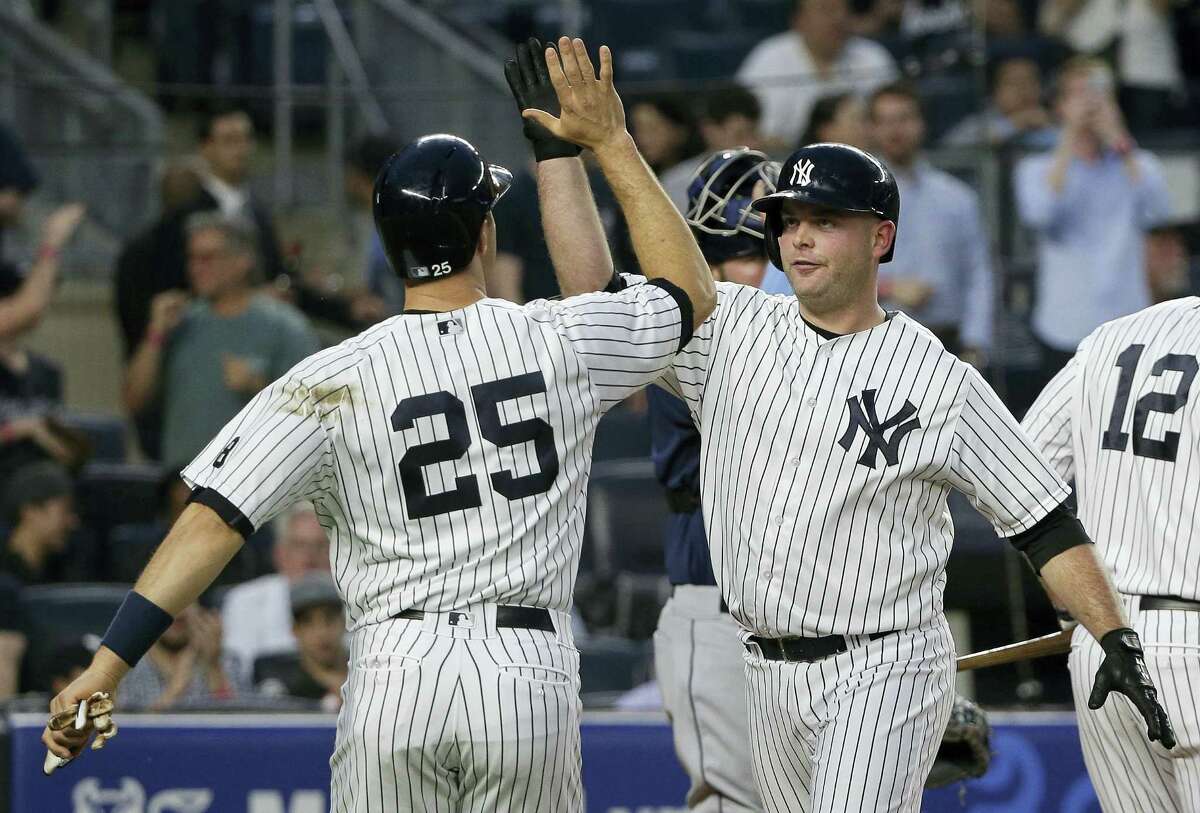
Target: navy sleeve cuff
{"x":227,"y":511}
{"x":1054,"y":533}
{"x":685,"y":308}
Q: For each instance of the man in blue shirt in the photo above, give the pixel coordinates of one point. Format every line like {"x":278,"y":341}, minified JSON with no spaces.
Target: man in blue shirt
{"x":941,"y":274}
{"x":1090,"y":203}
{"x":697,"y":652}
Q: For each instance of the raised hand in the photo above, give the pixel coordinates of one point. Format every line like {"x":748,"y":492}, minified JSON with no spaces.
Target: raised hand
{"x":530,"y":84}
{"x":592,"y":115}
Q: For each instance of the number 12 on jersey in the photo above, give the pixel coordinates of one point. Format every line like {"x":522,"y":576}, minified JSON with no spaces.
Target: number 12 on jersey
{"x":465,"y":494}
{"x":1165,"y":402}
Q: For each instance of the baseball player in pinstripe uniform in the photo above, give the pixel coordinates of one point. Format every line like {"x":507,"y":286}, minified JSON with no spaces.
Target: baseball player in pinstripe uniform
{"x":447,"y":451}
{"x":832,"y":433}
{"x":1121,"y":420}
{"x":697,"y":651}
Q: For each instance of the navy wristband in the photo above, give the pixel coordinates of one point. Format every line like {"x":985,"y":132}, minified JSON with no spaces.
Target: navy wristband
{"x":137,"y":625}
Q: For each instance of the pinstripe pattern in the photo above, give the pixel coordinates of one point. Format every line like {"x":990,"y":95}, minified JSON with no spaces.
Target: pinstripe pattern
{"x":448,"y":457}
{"x":1128,"y":771}
{"x":858,"y":731}
{"x":1142,"y":511}
{"x":825,"y":468}
{"x":435,"y":720}
{"x":806,"y":540}
{"x":1100,"y":421}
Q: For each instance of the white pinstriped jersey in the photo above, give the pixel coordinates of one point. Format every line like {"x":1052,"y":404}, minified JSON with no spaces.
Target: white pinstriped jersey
{"x":826,"y":464}
{"x":1122,"y":421}
{"x":448,"y":454}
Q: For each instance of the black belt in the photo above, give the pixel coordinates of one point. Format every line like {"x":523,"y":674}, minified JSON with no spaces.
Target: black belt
{"x":683,"y":500}
{"x":507,"y":616}
{"x":804,"y":649}
{"x":1168,"y":603}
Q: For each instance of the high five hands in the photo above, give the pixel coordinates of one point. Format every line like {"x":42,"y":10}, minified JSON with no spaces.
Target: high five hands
{"x":590,"y":111}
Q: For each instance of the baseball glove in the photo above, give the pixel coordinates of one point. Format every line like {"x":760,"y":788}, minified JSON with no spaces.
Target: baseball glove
{"x":964,"y":752}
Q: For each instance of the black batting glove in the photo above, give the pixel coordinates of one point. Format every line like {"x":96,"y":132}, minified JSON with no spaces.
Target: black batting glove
{"x":530,"y":84}
{"x":1124,"y":671}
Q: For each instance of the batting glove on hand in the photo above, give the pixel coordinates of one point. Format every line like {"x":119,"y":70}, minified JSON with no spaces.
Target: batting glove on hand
{"x":529,"y":81}
{"x":1124,"y":671}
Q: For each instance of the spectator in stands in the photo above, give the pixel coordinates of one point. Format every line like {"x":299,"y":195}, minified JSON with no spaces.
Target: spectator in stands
{"x":1090,"y":203}
{"x":1014,"y":115}
{"x":17,"y":180}
{"x":384,"y":290}
{"x":226,"y":146}
{"x":186,"y":667}
{"x":841,"y":118}
{"x":940,"y":274}
{"x":257,"y":614}
{"x":39,"y":509}
{"x":210,"y":357}
{"x":320,"y":664}
{"x":664,"y":127}
{"x":1171,"y":269}
{"x":728,"y":118}
{"x":816,"y":58}
{"x":12,"y":636}
{"x":1137,"y":36}
{"x":30,"y":384}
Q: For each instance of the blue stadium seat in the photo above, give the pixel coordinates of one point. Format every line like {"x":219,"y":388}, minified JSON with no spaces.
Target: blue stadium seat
{"x":626,"y":523}
{"x":130,"y":547}
{"x":111,"y":494}
{"x":53,"y":614}
{"x":610,"y":666}
{"x":704,"y":55}
{"x":106,"y":433}
{"x":623,"y":24}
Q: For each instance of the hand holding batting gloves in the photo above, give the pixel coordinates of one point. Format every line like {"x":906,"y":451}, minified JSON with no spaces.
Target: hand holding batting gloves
{"x":1124,"y":671}
{"x":529,"y":81}
{"x":592,"y":115}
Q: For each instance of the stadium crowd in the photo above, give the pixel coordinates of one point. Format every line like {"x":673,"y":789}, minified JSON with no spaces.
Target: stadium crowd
{"x":210,"y":311}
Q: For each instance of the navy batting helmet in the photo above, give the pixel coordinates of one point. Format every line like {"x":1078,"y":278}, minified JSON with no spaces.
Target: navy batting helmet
{"x":719,"y":198}
{"x":430,"y":201}
{"x":835,"y":175}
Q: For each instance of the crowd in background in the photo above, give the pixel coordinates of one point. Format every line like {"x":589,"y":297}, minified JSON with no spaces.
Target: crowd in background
{"x":210,"y":310}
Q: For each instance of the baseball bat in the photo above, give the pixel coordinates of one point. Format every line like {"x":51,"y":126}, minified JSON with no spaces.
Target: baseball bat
{"x":1056,"y":643}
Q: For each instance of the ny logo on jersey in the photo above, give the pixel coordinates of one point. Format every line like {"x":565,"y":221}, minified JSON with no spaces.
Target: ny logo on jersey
{"x":802,"y":172}
{"x":864,"y":417}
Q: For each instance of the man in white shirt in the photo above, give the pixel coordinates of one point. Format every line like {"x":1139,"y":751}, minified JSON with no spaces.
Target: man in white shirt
{"x":790,"y":71}
{"x":257,"y":615}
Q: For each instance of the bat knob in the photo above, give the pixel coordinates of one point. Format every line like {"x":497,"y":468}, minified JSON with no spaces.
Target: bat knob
{"x":53,"y":763}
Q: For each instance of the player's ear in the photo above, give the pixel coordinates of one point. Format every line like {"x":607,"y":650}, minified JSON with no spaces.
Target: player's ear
{"x":485,"y":249}
{"x":885,"y":235}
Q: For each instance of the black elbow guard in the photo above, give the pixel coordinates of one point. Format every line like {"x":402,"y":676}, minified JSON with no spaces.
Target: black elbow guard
{"x":1054,"y":533}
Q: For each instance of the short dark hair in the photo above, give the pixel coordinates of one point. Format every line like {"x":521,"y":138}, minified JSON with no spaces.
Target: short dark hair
{"x":823,"y":112}
{"x":209,"y":116}
{"x":996,"y":64}
{"x":730,"y":100}
{"x":369,"y":153}
{"x":901,"y":89}
{"x":34,"y":484}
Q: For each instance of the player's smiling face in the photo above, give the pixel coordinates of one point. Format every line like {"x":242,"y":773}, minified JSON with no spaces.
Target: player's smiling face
{"x":828,"y":253}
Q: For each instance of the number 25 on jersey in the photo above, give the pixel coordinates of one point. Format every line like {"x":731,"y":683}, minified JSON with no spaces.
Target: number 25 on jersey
{"x":487,"y":398}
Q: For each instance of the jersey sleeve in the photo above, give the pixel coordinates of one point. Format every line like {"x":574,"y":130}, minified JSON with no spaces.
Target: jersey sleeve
{"x":627,"y":337}
{"x":273,"y":453}
{"x":996,"y":465}
{"x":1049,"y":421}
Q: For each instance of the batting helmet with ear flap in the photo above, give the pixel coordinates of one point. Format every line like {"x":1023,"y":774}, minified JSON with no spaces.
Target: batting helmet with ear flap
{"x":835,"y":175}
{"x":430,"y":201}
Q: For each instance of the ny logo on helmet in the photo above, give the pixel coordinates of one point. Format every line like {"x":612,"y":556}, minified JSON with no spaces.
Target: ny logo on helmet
{"x":802,"y":172}
{"x":863,"y":416}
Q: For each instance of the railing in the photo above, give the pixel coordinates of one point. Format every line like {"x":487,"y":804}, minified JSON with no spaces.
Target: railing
{"x":91,"y":136}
